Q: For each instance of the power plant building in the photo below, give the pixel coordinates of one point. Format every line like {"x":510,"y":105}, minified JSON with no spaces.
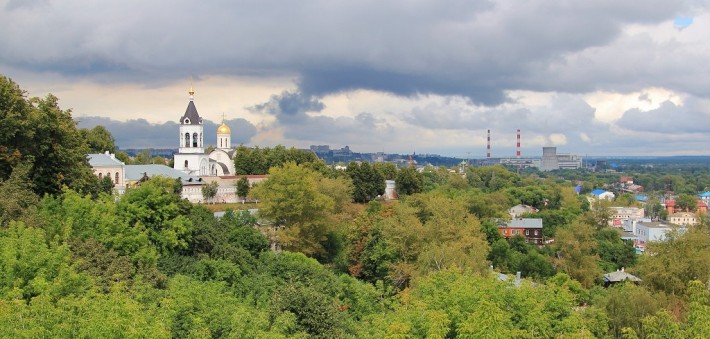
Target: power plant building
{"x":552,"y":161}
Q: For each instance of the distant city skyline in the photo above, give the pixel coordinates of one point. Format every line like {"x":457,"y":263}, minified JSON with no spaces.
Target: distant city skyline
{"x":589,"y":77}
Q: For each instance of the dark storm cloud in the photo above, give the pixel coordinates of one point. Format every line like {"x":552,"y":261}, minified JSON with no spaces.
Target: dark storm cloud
{"x":289,"y":106}
{"x":291,"y":111}
{"x":139,"y":133}
{"x":478,"y":49}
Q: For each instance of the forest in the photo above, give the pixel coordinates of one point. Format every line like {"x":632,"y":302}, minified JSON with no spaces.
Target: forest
{"x":324,"y":257}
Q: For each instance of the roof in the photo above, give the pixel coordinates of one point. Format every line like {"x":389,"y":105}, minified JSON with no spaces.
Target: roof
{"x":654,"y":224}
{"x":683,"y":214}
{"x":641,"y":198}
{"x":135,"y":172}
{"x":223,"y":129}
{"x":191,"y":114}
{"x":598,"y":192}
{"x":524,"y":223}
{"x":704,"y":194}
{"x":619,"y":276}
{"x":103,"y":160}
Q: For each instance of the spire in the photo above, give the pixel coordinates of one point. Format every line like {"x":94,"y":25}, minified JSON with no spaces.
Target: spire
{"x":192,"y":91}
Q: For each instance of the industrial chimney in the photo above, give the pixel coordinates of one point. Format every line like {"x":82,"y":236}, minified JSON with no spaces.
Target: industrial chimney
{"x":488,"y":146}
{"x":517,"y":153}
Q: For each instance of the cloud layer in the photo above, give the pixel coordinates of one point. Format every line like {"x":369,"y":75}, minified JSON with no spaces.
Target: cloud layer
{"x":429,"y":74}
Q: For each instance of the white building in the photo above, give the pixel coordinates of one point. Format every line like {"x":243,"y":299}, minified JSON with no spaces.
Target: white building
{"x":106,"y":165}
{"x":653,"y":231}
{"x":191,"y":158}
{"x":223,"y":155}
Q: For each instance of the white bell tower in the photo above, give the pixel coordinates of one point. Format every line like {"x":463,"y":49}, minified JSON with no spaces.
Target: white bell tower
{"x":191,"y":157}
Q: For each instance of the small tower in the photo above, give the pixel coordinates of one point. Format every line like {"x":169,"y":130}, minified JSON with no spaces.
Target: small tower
{"x":224,"y":136}
{"x":191,"y":157}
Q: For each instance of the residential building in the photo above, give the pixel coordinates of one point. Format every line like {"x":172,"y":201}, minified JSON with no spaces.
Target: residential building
{"x":619,"y":214}
{"x":683,"y":218}
{"x":106,"y":165}
{"x":520,"y":209}
{"x":602,"y":194}
{"x":530,"y":228}
{"x":619,"y":276}
{"x":191,"y":185}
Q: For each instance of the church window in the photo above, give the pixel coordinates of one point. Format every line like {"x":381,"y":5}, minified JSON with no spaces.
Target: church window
{"x":185,"y":163}
{"x":101,"y":176}
{"x":116,"y":177}
{"x":220,"y":142}
{"x":108,"y":175}
{"x":187,"y":121}
{"x":187,"y":139}
{"x":194,"y":139}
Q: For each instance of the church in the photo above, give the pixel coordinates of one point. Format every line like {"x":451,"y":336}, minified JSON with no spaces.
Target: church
{"x":192,"y":165}
{"x":191,"y":157}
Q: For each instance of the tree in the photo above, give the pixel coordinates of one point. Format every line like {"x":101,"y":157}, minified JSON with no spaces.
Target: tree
{"x":670,"y":265}
{"x":16,"y":194}
{"x":99,"y":139}
{"x":209,"y":191}
{"x":155,"y":207}
{"x":243,"y":187}
{"x":36,"y":131}
{"x":614,"y":252}
{"x":687,"y":202}
{"x":368,"y":182}
{"x":409,"y":181}
{"x":388,"y":170}
{"x":290,"y":199}
{"x":577,"y":253}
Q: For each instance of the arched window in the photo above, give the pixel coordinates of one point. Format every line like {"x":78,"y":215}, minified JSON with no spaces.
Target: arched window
{"x":185,"y":163}
{"x":187,"y":139}
{"x":101,"y":176}
{"x":108,"y":175}
{"x":116,"y":178}
{"x":194,"y":139}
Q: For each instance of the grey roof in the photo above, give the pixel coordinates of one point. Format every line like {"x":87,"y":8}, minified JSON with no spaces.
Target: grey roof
{"x":191,"y":113}
{"x":135,"y":172}
{"x":103,"y":160}
{"x":620,"y":276}
{"x":225,"y":170}
{"x":525,"y":223}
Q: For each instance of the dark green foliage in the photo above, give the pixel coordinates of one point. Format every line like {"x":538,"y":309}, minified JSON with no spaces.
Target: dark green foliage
{"x":409,"y":181}
{"x":316,"y":313}
{"x":368,"y":182}
{"x":614,"y":252}
{"x":243,"y":187}
{"x":16,"y":195}
{"x":98,"y":139}
{"x":37,"y":132}
{"x":260,"y":160}
{"x":491,"y":178}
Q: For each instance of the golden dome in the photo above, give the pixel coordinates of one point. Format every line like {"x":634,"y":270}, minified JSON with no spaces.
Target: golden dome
{"x":223,"y":129}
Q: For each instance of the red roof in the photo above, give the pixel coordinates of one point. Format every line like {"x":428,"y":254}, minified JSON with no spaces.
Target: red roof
{"x":702,"y":204}
{"x":670,"y":203}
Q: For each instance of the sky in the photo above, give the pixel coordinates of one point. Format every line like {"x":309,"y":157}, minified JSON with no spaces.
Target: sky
{"x":591,"y":77}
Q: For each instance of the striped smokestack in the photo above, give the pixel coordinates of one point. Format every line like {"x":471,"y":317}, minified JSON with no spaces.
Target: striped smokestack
{"x":517,"y":153}
{"x":488,"y":146}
